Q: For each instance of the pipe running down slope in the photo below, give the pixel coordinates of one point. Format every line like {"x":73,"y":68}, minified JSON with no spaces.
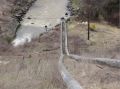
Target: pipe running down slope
{"x":68,"y":79}
{"x":103,"y":61}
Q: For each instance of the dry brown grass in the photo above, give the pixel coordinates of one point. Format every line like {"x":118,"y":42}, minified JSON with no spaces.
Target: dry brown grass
{"x":93,"y":76}
{"x":104,"y":41}
{"x":39,"y":69}
{"x":30,"y":67}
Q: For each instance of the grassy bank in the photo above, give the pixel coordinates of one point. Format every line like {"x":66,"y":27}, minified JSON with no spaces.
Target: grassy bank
{"x":104,"y":40}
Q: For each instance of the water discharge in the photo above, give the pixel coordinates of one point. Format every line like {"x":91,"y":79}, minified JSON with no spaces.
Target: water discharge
{"x":42,"y":13}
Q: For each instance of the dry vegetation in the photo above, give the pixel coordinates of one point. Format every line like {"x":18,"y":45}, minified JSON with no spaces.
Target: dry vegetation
{"x":93,"y":76}
{"x":104,"y":40}
{"x":34,"y":66}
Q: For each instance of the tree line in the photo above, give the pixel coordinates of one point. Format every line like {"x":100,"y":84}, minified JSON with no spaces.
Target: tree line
{"x":99,"y":10}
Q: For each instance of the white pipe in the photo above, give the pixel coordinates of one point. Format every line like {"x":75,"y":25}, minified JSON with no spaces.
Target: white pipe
{"x":105,"y":61}
{"x":68,"y":79}
{"x":66,"y":39}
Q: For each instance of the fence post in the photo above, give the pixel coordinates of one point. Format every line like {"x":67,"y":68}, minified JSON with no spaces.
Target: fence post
{"x":46,"y":28}
{"x":62,"y":40}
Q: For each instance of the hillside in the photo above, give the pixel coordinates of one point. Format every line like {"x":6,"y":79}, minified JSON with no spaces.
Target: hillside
{"x":36,"y":63}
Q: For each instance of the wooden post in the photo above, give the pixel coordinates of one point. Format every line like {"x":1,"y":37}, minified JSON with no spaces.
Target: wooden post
{"x":88,"y":24}
{"x":46,"y":28}
{"x":63,"y":34}
{"x":39,"y":38}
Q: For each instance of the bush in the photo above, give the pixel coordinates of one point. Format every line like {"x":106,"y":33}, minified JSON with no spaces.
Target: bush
{"x":93,"y":27}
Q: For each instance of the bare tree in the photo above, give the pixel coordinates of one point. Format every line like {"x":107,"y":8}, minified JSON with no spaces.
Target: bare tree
{"x":88,"y":9}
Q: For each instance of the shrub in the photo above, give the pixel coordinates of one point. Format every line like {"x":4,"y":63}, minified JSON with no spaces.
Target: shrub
{"x":93,"y":27}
